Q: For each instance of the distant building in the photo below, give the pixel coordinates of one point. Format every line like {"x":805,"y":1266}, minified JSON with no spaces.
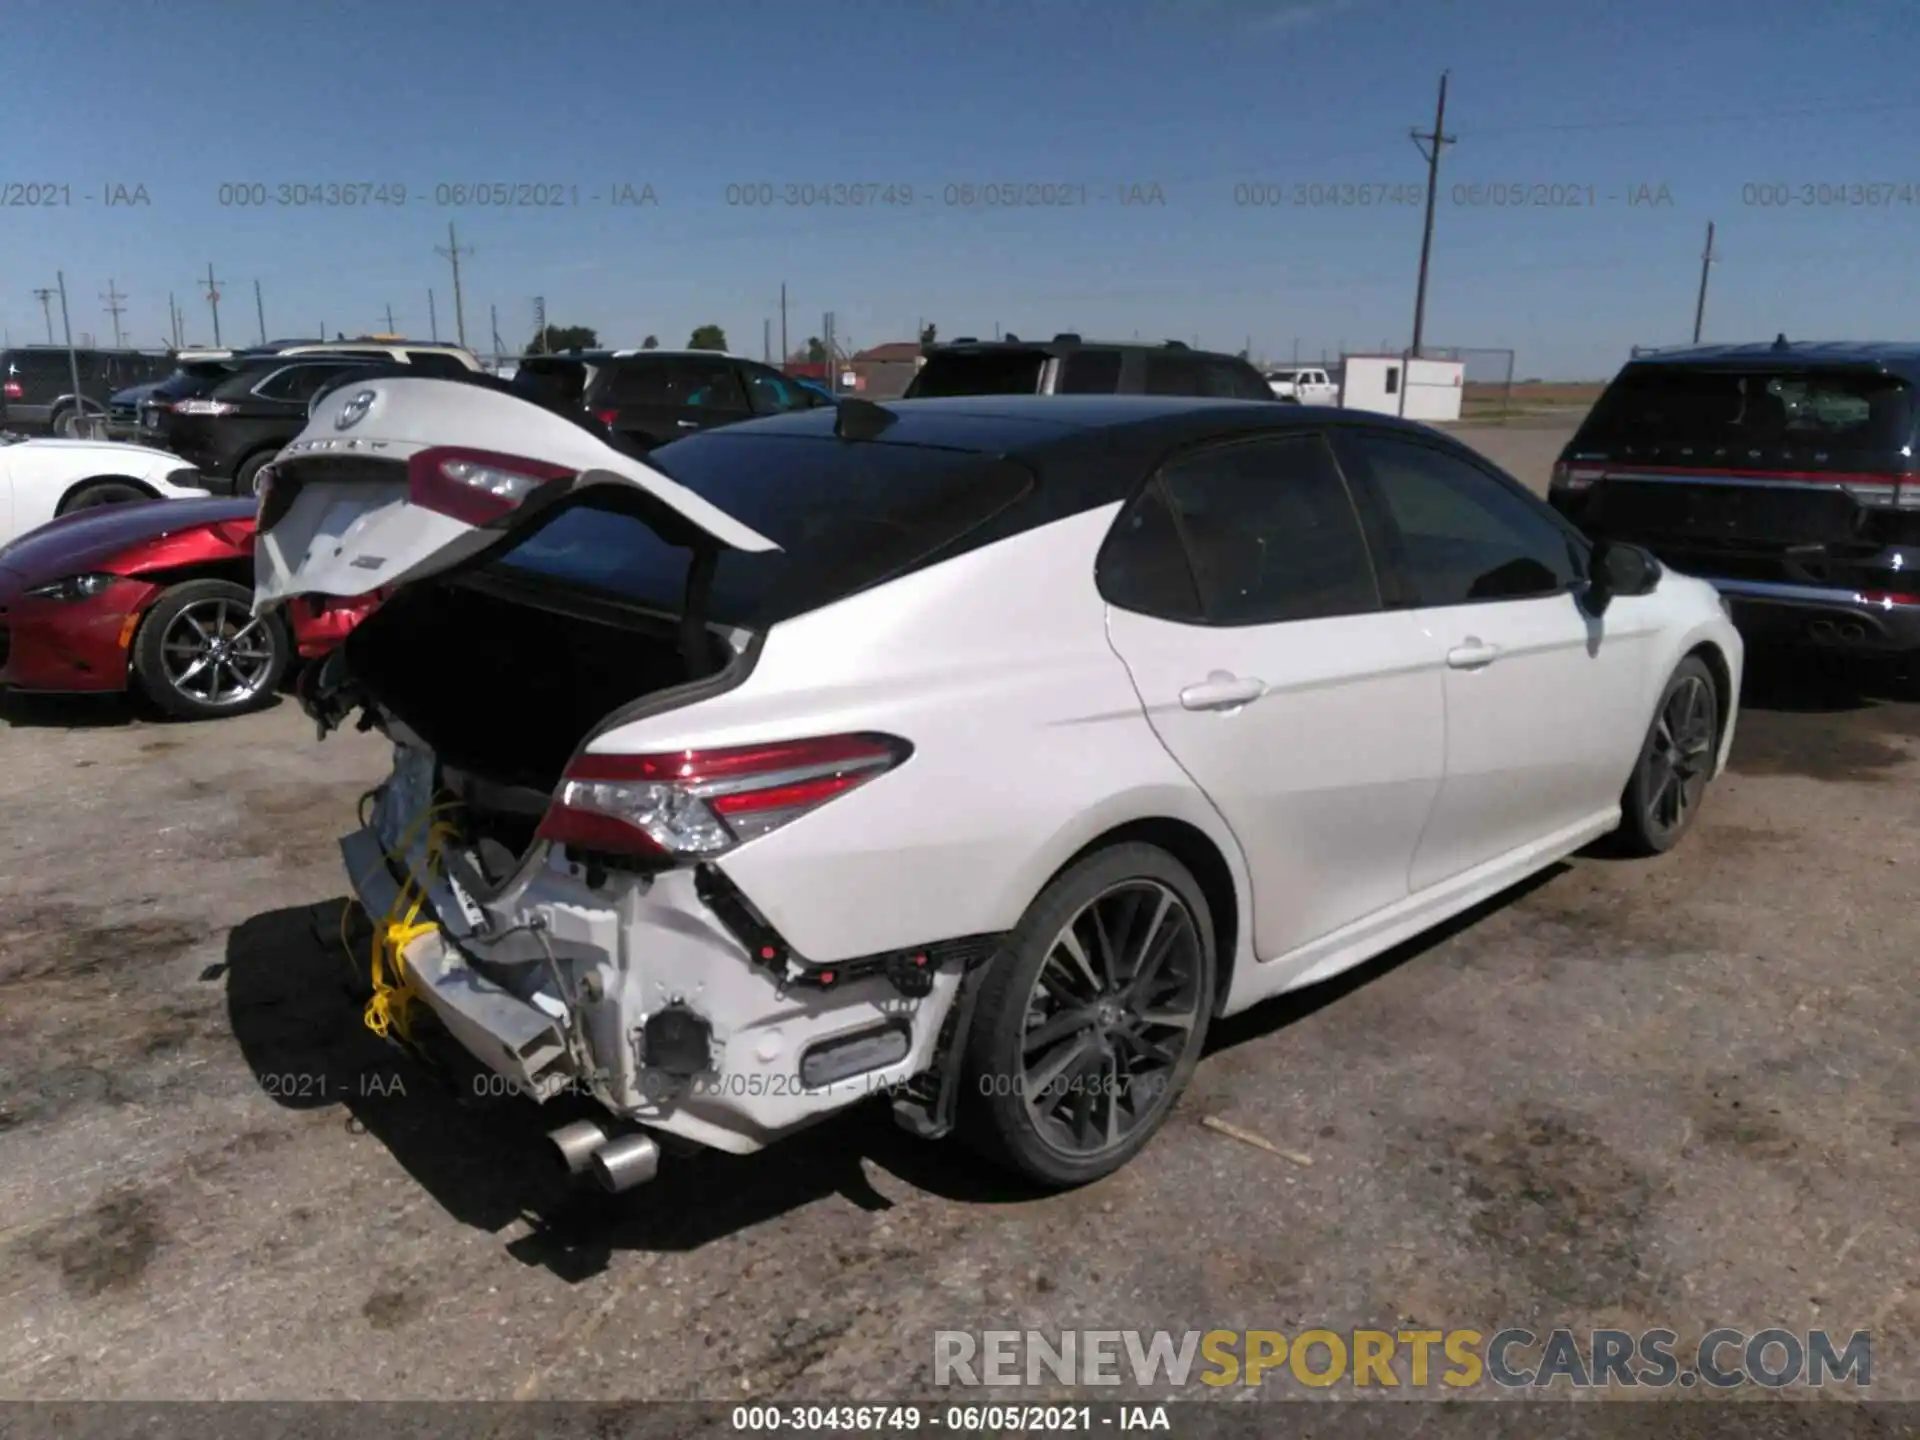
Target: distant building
{"x":883,"y":372}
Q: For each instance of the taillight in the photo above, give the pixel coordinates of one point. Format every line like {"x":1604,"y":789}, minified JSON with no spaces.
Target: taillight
{"x":704,"y":802}
{"x":606,"y":417}
{"x":1885,"y":492}
{"x":476,"y":486}
{"x":14,"y":392}
{"x":204,"y":407}
{"x":1574,"y":477}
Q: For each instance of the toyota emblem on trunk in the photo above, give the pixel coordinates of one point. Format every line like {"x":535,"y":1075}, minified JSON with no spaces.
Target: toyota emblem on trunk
{"x":355,"y":410}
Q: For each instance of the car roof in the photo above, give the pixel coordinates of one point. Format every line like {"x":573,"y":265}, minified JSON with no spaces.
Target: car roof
{"x":1018,"y":425}
{"x":603,"y":354}
{"x":1899,"y":358}
{"x":1061,"y":344}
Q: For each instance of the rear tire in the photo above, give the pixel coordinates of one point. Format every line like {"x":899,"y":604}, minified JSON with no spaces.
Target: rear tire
{"x":72,"y":422}
{"x":92,"y":493}
{"x":248,"y":475}
{"x":1091,"y":1020}
{"x":200,"y":655}
{"x":1670,"y":779}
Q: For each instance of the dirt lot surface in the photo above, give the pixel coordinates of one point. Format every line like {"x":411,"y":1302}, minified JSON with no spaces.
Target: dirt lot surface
{"x":1674,"y":1093}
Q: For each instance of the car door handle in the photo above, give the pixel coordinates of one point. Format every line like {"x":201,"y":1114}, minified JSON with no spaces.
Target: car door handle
{"x":1221,"y":691}
{"x":1472,"y":654}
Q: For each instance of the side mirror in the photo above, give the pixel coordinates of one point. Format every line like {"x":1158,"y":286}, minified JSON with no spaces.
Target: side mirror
{"x":1618,"y":569}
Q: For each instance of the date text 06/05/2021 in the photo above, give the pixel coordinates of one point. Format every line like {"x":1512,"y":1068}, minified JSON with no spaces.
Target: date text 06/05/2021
{"x":951,"y":195}
{"x":959,"y":1419}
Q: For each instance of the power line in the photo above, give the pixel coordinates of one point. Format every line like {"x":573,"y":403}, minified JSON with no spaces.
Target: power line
{"x":1706,"y":264}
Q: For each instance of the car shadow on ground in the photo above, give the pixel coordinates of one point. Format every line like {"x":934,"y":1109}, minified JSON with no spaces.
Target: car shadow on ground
{"x":296,"y":989}
{"x":110,"y":711}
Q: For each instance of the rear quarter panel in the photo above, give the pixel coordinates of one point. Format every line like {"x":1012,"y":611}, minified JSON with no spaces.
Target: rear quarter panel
{"x":1029,"y":742}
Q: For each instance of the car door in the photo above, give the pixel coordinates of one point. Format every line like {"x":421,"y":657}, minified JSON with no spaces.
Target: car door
{"x":1244,"y":602}
{"x":1542,"y":698}
{"x":771,"y":393}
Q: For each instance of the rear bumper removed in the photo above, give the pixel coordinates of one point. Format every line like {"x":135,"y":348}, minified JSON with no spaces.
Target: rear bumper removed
{"x":636,"y":994}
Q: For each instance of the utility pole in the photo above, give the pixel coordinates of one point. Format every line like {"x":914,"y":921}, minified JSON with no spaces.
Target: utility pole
{"x":785,"y":353}
{"x":260,"y":311}
{"x":45,"y":297}
{"x":453,"y":252}
{"x":539,"y":324}
{"x":114,"y":308}
{"x":213,"y":299}
{"x":173,"y":320}
{"x":73,"y":359}
{"x":493,"y":324}
{"x":1430,"y":146}
{"x":1700,"y":305}
{"x":390,"y":329}
{"x":433,"y":317}
{"x":766,"y":342}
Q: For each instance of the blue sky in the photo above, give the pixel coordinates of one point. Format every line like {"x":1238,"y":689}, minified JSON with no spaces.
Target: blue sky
{"x":1194,"y":97}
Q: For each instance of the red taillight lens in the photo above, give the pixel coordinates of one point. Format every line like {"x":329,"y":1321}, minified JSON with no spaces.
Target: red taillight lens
{"x":14,"y":392}
{"x":705,"y":802}
{"x":606,"y":417}
{"x":476,"y":486}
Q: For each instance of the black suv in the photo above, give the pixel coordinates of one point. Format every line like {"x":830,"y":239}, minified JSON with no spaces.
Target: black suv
{"x":651,"y":397}
{"x":229,"y":429}
{"x":1068,"y":365}
{"x":1783,"y":473}
{"x":36,"y":385}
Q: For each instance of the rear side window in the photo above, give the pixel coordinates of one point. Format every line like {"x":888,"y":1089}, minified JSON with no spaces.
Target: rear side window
{"x":434,"y":364}
{"x":845,"y":517}
{"x":1749,"y":415}
{"x":1143,"y":566}
{"x":1089,"y":372}
{"x":676,"y":384}
{"x":1272,"y":531}
{"x":558,"y":384}
{"x":979,"y":372}
{"x":1171,"y":375}
{"x":300,"y":382}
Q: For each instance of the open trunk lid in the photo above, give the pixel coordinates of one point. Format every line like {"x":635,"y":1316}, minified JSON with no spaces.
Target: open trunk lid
{"x":397,"y":479}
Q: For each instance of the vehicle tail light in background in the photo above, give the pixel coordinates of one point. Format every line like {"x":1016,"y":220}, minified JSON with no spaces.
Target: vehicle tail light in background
{"x":1887,"y":599}
{"x":475,"y":485}
{"x":705,"y":802}
{"x":1886,"y":492}
{"x":13,"y":390}
{"x":606,"y":417}
{"x":1574,"y":477}
{"x":204,"y":407}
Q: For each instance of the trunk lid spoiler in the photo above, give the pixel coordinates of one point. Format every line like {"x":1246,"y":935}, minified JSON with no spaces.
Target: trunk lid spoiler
{"x":349,"y":520}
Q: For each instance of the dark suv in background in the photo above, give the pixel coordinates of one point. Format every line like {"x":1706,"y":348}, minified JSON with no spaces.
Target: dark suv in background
{"x":230,"y":428}
{"x":37,"y":394}
{"x":1068,"y":365}
{"x":1783,"y":473}
{"x":651,"y":397}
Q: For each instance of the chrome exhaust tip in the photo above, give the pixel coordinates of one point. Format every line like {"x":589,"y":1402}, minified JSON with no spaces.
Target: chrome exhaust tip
{"x":577,"y":1143}
{"x":626,"y":1162}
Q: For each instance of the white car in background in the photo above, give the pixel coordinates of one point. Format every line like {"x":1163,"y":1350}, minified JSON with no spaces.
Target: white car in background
{"x":41,"y":480}
{"x":977,"y":751}
{"x":1305,"y":385}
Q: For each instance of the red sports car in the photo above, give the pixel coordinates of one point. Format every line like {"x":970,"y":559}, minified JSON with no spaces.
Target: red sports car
{"x":157,"y":597}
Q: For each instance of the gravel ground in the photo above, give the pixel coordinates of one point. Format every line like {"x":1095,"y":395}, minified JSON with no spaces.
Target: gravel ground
{"x":1678,"y":1092}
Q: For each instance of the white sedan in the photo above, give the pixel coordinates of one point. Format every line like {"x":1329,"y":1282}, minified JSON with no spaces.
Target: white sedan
{"x":41,"y":480}
{"x":979,"y":752}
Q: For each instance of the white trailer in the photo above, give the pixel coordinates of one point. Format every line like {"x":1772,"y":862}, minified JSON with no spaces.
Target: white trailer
{"x":1394,"y":385}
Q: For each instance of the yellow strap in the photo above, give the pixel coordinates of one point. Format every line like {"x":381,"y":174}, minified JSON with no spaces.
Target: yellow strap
{"x":389,"y":1011}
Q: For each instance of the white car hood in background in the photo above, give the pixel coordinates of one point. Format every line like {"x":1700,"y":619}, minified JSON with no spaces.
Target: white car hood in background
{"x":352,"y":537}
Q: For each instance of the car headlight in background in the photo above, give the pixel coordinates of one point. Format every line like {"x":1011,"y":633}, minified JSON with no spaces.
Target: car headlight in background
{"x":74,"y":587}
{"x":187,"y":479}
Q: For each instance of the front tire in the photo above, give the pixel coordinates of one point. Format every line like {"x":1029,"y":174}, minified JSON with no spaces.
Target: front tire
{"x":1090,"y":1022}
{"x":201,"y":654}
{"x":103,"y":492}
{"x":1670,"y":779}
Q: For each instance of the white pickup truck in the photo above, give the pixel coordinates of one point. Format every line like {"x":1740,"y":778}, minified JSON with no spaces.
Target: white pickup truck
{"x":1304,"y":386}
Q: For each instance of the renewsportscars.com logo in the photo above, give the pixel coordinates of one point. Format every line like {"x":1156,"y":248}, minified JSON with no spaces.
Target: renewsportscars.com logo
{"x":1389,"y":1359}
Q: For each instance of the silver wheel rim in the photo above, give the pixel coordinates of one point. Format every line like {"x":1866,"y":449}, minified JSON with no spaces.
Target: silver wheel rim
{"x":1680,"y":759}
{"x":1113,"y":1013}
{"x":214,"y":652}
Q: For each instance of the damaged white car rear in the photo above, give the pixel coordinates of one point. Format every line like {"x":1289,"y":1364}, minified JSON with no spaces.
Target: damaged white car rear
{"x":645,"y":834}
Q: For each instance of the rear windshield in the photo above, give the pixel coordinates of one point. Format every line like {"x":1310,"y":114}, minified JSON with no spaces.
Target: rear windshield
{"x":845,"y":517}
{"x":979,"y":372}
{"x":1750,"y":414}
